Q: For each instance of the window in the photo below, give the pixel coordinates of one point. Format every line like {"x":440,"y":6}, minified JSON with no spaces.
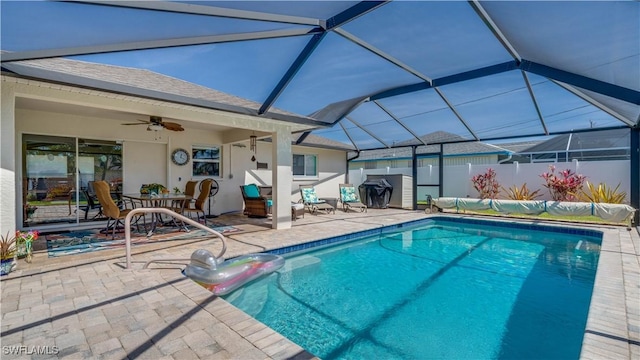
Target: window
{"x":371,"y":165}
{"x":305,"y":165}
{"x":206,"y":160}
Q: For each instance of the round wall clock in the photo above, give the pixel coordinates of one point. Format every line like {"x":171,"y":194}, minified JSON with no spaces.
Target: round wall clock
{"x":180,"y":156}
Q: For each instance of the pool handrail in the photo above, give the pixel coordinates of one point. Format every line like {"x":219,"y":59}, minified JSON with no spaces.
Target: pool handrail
{"x":127,"y":229}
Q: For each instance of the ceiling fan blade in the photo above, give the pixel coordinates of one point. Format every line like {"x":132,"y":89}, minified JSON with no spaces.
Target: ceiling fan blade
{"x":135,"y":124}
{"x":172,"y":126}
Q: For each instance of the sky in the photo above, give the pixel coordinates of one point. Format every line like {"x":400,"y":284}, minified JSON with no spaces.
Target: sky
{"x":431,"y":39}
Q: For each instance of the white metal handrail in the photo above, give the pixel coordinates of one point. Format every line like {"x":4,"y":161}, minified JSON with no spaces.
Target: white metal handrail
{"x":127,"y":228}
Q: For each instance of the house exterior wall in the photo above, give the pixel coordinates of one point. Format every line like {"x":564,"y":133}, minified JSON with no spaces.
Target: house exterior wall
{"x":146,"y":158}
{"x":8,"y":161}
{"x":154,"y":165}
{"x":331,"y":166}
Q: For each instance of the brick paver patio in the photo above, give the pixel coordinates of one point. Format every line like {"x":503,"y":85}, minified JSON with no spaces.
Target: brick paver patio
{"x":88,"y":306}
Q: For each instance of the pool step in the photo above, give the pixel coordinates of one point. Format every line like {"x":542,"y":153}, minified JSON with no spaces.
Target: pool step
{"x":299,"y":262}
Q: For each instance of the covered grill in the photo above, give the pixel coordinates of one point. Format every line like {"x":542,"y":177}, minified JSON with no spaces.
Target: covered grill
{"x":376,"y":193}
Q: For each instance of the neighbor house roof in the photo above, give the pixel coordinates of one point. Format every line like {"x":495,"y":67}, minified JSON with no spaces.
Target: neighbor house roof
{"x":474,"y":148}
{"x":616,"y":138}
{"x":519,"y":146}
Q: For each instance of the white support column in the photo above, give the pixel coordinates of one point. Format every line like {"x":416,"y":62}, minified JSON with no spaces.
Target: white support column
{"x":282,"y":178}
{"x":8,"y":187}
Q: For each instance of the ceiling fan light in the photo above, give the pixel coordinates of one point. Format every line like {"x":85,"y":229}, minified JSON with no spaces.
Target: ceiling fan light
{"x":155,"y":127}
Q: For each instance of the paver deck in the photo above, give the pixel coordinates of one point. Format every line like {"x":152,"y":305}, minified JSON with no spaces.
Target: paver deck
{"x":88,"y":306}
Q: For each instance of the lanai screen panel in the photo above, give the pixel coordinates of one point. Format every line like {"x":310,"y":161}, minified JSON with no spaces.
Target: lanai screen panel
{"x":335,"y":133}
{"x":248,"y":69}
{"x":425,"y":112}
{"x":310,"y":9}
{"x":427,"y":30}
{"x":49,"y":25}
{"x":393,"y":47}
{"x":494,"y":106}
{"x":362,"y":140}
{"x":626,"y":109}
{"x":339,"y":70}
{"x":563,"y":111}
{"x":377,"y":121}
{"x":597,"y":39}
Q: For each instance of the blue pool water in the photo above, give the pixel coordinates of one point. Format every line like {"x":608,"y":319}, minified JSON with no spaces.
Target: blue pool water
{"x":441,"y":289}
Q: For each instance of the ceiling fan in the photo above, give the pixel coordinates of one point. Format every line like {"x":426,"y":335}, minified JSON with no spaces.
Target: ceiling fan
{"x":155,"y":123}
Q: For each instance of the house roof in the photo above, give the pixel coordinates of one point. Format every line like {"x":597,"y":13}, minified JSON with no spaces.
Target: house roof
{"x":321,"y":142}
{"x":317,"y":142}
{"x":449,"y":149}
{"x":149,"y":80}
{"x":600,"y":140}
{"x":143,"y":83}
{"x":519,"y":146}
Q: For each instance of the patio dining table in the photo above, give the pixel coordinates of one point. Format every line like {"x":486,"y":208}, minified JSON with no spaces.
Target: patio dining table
{"x":159,"y":201}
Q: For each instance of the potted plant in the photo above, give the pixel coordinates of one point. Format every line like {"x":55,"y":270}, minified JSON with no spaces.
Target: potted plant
{"x":7,"y":253}
{"x":24,"y":243}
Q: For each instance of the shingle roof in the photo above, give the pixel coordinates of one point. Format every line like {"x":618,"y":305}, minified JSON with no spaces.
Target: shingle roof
{"x":140,"y":79}
{"x":520,"y":146}
{"x":319,"y":141}
{"x":464,"y":148}
{"x":584,"y":141}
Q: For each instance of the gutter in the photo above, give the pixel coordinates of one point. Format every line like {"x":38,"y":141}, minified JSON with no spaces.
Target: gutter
{"x":507,"y":159}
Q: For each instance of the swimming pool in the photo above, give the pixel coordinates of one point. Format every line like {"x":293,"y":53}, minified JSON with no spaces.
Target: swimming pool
{"x":442,"y":288}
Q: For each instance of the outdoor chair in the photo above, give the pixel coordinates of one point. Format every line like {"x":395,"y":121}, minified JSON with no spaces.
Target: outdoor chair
{"x":110,"y":209}
{"x":90,"y":197}
{"x":311,"y":201}
{"x":189,"y":190}
{"x":92,"y":203}
{"x":255,"y":205}
{"x":297,"y":209}
{"x":198,"y":207}
{"x":350,"y":198}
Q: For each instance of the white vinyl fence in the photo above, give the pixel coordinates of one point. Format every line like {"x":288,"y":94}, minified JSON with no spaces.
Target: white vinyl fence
{"x":457,"y":179}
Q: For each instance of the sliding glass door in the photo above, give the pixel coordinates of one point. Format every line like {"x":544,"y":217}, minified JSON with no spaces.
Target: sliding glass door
{"x":58,"y":173}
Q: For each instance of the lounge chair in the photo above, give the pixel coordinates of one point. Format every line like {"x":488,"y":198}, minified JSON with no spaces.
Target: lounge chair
{"x":255,"y":205}
{"x":350,"y":199}
{"x":311,"y":201}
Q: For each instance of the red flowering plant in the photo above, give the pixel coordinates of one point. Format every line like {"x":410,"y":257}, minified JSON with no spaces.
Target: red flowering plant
{"x":486,"y":184}
{"x":563,"y":186}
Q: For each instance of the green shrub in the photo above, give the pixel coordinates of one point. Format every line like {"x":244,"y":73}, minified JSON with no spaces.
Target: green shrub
{"x":602,"y":194}
{"x":486,"y":184}
{"x":521,"y":193}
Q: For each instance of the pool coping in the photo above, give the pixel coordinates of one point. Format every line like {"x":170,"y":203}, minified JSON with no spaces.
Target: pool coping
{"x":613,"y":323}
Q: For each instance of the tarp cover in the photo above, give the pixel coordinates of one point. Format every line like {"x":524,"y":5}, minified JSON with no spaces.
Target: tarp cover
{"x":376,"y":193}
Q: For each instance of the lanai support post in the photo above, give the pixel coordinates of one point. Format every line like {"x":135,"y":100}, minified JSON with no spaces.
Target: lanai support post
{"x":634,"y":192}
{"x":441,"y":171}
{"x":414,"y":175}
